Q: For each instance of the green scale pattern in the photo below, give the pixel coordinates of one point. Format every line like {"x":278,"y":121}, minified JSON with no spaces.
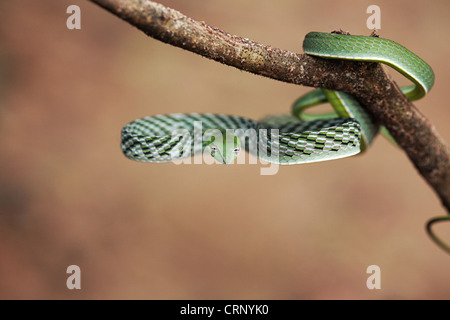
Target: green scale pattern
{"x":286,"y":139}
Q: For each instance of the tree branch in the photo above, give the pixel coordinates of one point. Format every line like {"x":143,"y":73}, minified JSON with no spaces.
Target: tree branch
{"x":366,"y":81}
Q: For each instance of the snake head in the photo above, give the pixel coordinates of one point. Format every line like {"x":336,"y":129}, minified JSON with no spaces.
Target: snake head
{"x":224,"y":151}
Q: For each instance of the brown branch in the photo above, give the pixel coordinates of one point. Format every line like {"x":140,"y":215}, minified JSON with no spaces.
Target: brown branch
{"x":366,"y":81}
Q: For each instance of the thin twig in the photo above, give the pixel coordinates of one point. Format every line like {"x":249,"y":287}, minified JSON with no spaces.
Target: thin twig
{"x":366,"y":81}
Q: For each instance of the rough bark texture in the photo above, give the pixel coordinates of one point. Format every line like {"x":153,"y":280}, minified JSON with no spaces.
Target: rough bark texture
{"x":366,"y":81}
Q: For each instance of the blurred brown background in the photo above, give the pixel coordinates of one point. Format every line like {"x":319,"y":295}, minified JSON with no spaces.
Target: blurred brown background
{"x":161,"y":231}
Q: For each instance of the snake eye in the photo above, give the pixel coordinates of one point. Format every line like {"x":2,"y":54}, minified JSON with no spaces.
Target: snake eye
{"x":236,"y":150}
{"x":213,"y":149}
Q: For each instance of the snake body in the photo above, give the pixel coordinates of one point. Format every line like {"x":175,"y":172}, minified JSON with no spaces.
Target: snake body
{"x":165,"y":138}
{"x":289,"y":139}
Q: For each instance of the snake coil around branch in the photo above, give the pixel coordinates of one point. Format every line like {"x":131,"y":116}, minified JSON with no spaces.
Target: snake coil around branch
{"x":379,"y":96}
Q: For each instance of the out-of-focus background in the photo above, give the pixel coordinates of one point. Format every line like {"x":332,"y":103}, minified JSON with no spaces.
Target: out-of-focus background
{"x":161,"y":231}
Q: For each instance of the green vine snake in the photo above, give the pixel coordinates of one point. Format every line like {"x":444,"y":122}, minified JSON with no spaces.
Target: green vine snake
{"x":288,"y":139}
